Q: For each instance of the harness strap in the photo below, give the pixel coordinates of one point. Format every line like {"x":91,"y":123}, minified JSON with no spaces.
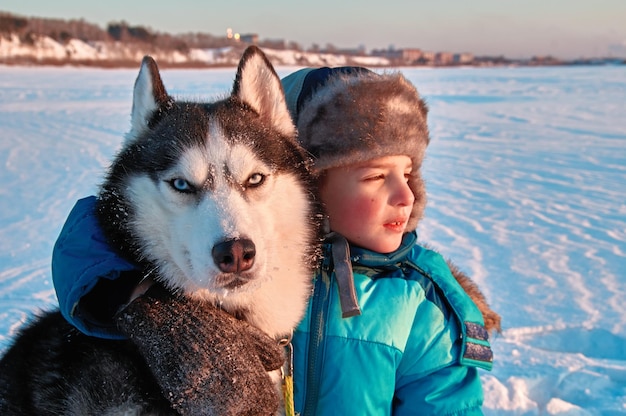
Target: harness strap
{"x":343,"y":274}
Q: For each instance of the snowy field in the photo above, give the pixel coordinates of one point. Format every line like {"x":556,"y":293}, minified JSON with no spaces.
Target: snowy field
{"x":526,"y":175}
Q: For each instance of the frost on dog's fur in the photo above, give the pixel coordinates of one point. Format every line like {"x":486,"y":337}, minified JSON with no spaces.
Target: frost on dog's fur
{"x":212,"y":200}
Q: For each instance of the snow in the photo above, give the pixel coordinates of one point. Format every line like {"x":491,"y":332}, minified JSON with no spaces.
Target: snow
{"x":526,"y":174}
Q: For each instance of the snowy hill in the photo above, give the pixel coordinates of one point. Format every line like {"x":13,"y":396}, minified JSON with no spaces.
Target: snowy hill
{"x":46,"y":50}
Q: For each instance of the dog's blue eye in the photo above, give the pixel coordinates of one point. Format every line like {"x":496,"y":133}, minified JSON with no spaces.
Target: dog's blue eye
{"x":181,"y":185}
{"x":255,"y":180}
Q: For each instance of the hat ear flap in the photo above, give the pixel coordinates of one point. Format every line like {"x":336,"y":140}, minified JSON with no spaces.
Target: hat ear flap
{"x":418,"y":187}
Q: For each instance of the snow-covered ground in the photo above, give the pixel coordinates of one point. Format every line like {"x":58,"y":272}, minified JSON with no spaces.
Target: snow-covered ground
{"x":526,"y":175}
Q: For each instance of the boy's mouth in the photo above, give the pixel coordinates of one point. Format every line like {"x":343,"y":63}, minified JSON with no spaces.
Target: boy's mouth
{"x":396,"y":224}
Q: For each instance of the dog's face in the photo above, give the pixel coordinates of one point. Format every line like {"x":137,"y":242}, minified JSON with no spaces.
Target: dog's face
{"x":215,"y":198}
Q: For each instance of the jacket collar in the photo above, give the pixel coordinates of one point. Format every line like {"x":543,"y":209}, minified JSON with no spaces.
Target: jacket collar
{"x":368,"y":258}
{"x":344,"y":255}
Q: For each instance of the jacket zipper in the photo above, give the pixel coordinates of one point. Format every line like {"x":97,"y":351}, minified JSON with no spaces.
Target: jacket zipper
{"x":315,"y":358}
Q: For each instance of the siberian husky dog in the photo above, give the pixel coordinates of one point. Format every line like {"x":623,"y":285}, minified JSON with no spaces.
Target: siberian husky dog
{"x":191,"y":179}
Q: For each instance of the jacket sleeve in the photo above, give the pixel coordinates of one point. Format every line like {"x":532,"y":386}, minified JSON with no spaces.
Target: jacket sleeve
{"x":436,"y":377}
{"x":432,"y":380}
{"x":87,"y":272}
{"x":453,"y":390}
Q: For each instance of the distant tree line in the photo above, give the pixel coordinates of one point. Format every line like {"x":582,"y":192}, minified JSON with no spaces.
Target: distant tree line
{"x":62,"y":31}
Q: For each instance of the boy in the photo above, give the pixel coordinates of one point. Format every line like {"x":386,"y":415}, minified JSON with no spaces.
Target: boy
{"x":388,"y":329}
{"x":395,"y":345}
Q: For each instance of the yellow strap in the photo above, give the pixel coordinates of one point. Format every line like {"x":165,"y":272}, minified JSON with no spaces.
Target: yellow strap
{"x":287,"y":375}
{"x":288,"y":396}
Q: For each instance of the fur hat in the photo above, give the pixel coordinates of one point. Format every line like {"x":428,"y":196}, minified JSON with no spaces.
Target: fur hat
{"x":349,"y":115}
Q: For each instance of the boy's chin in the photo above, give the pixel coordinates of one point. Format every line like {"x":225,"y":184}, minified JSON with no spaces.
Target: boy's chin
{"x":384,"y":245}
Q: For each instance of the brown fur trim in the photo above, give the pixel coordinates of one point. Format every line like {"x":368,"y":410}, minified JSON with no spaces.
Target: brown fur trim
{"x":491,"y":318}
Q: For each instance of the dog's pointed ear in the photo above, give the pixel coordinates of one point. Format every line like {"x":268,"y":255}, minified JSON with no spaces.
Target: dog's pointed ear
{"x":149,"y":96}
{"x":258,"y":85}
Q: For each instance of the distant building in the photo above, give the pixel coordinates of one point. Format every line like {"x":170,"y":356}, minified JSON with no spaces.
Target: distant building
{"x":428,"y":58}
{"x":411,"y":55}
{"x":251,"y":38}
{"x":444,"y":58}
{"x":399,"y":56}
{"x":463,"y":58}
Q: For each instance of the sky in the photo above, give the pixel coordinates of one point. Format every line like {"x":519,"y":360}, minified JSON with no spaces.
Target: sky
{"x":514,"y":28}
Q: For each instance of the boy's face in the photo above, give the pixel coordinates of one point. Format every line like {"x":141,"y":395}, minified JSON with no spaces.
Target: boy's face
{"x":370,"y":203}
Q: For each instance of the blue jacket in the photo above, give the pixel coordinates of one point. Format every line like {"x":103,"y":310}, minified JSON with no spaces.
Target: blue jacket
{"x":403,"y":339}
{"x":82,"y":258}
{"x":413,"y":349}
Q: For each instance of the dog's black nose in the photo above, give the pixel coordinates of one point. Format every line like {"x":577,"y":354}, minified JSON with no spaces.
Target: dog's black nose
{"x":234,"y":256}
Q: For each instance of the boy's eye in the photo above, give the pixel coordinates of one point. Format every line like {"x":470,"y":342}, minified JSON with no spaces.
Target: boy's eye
{"x":375,"y":177}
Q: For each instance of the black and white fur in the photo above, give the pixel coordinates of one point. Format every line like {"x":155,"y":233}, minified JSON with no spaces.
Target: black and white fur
{"x":215,"y":201}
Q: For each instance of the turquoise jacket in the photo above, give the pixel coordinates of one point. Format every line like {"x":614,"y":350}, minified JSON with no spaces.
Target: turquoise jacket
{"x":414,"y":348}
{"x":400,"y":338}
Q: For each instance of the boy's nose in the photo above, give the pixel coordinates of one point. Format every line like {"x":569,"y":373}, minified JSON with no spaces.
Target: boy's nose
{"x":403,"y":195}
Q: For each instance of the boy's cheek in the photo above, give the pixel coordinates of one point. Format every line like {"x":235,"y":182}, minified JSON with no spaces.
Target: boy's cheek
{"x":357,"y":214}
